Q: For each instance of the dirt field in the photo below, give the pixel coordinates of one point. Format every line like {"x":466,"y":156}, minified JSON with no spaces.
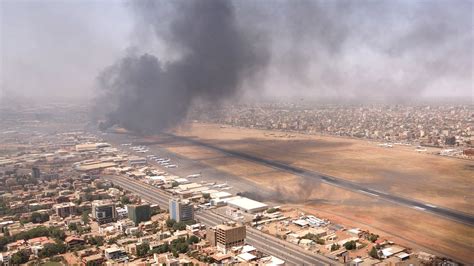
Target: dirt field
{"x":438,"y":180}
{"x":430,"y":178}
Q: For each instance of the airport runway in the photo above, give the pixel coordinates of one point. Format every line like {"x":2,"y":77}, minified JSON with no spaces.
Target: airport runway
{"x":292,"y":254}
{"x":339,"y":182}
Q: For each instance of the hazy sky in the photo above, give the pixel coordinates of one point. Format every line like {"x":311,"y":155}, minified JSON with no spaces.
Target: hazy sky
{"x":354,"y":49}
{"x":57,"y":48}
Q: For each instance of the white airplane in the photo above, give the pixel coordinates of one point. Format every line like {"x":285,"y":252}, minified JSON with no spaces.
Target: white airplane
{"x":221,"y":185}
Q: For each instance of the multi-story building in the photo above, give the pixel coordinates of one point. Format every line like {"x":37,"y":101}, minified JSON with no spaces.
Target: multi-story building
{"x":104,"y":211}
{"x":226,"y":236}
{"x":35,"y":173}
{"x":181,"y":210}
{"x":65,"y":209}
{"x":139,"y":213}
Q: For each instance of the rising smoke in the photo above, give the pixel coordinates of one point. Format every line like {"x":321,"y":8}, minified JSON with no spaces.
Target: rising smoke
{"x":147,"y":94}
{"x":209,"y":50}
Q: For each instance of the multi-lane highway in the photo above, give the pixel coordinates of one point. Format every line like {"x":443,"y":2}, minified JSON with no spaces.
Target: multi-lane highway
{"x":339,"y":182}
{"x":292,"y":254}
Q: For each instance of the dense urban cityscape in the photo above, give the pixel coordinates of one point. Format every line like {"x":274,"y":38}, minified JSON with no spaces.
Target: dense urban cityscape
{"x":442,"y":125}
{"x":228,"y":132}
{"x":72,"y":196}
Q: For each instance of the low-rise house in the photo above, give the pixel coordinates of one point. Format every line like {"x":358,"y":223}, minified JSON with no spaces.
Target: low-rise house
{"x":96,"y":259}
{"x":115,"y":253}
{"x":73,"y":241}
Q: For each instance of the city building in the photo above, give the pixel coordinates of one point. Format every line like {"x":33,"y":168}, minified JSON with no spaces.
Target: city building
{"x":104,"y":211}
{"x":116,"y":253}
{"x":181,"y":210}
{"x":135,"y":160}
{"x":139,"y":213}
{"x":226,"y":236}
{"x":35,"y":173}
{"x":246,"y":204}
{"x":65,"y":209}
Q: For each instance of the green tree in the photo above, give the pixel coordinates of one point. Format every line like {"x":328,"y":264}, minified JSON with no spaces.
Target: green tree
{"x":85,"y":217}
{"x":96,"y":240}
{"x":193,"y":239}
{"x":20,"y":257}
{"x":272,"y":210}
{"x":125,"y":200}
{"x":335,"y":247}
{"x":374,"y":253}
{"x":37,"y":217}
{"x":179,"y":226}
{"x":170,"y":223}
{"x":72,"y":227}
{"x":57,"y":233}
{"x":320,"y":241}
{"x":350,"y":245}
{"x":372,"y":237}
{"x":161,"y":249}
{"x":179,"y":245}
{"x":52,"y":249}
{"x":143,"y":249}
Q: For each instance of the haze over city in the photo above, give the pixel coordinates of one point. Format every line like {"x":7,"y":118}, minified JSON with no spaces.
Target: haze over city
{"x":206,"y":132}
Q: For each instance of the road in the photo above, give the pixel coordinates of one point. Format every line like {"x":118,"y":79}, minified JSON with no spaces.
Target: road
{"x":339,"y":182}
{"x":291,"y":253}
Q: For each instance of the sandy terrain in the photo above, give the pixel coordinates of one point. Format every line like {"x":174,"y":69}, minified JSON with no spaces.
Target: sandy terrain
{"x":434,"y":179}
{"x":438,"y":180}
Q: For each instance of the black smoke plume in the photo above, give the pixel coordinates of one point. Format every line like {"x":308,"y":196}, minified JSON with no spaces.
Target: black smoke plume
{"x":208,"y":50}
{"x":214,"y":57}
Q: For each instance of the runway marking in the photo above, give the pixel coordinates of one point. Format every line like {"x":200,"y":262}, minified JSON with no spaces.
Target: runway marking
{"x":368,"y":193}
{"x":378,"y":191}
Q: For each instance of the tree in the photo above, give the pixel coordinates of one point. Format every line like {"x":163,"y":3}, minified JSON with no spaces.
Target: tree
{"x":96,"y":240}
{"x":372,"y":237}
{"x":37,"y":217}
{"x":179,"y":226}
{"x":52,"y":249}
{"x":72,"y":227}
{"x":142,"y":249}
{"x":315,"y":238}
{"x":335,"y":247}
{"x":320,"y":241}
{"x":170,"y":223}
{"x":88,"y":196}
{"x":161,"y":249}
{"x":57,"y":233}
{"x":272,"y":210}
{"x":374,"y":253}
{"x":179,"y":246}
{"x":20,"y":257}
{"x":193,"y":239}
{"x":206,"y":196}
{"x":125,"y":200}
{"x":350,"y":245}
{"x":85,"y":217}
{"x":6,"y":232}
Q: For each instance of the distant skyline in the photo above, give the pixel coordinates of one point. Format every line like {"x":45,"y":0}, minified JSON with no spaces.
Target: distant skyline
{"x":355,"y":50}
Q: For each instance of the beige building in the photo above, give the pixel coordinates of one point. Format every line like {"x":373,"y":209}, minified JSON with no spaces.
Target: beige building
{"x":226,"y":236}
{"x":65,"y":209}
